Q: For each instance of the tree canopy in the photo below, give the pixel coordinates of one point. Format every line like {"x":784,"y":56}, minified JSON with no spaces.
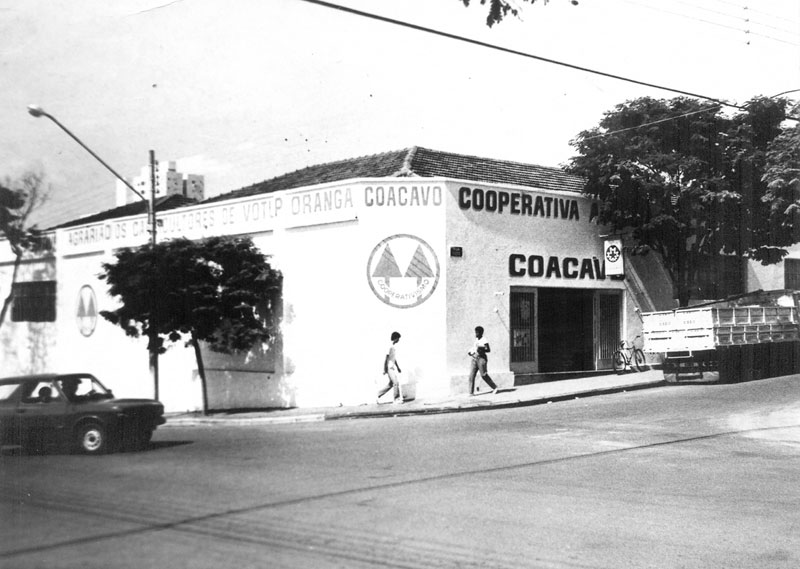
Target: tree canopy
{"x":691,"y":182}
{"x":782,"y":177}
{"x":220,"y":290}
{"x":499,"y":9}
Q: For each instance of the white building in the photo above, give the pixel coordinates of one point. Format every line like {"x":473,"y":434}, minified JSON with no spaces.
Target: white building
{"x":427,"y":243}
{"x":169,"y":182}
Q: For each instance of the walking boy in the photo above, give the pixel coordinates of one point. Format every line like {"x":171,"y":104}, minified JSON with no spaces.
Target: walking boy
{"x":392,"y":369}
{"x":480,"y":361}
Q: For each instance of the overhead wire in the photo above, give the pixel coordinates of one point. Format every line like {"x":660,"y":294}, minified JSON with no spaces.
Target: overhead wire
{"x":708,"y":109}
{"x":744,"y":16}
{"x":668,"y":119}
{"x":520,"y":53}
{"x":745,"y":31}
{"x":480,"y":43}
{"x":747,"y":8}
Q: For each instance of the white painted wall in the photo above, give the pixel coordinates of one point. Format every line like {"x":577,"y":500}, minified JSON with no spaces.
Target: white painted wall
{"x":769,"y":277}
{"x":336,"y":329}
{"x":479,"y":282}
{"x":337,"y":322}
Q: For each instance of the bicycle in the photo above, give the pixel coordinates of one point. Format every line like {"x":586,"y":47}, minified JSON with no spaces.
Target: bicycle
{"x":633,"y":358}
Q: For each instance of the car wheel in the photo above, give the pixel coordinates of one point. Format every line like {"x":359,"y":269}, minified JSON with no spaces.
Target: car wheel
{"x":92,"y":439}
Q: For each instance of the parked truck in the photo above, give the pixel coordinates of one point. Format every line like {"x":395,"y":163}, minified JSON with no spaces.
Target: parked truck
{"x":740,"y":338}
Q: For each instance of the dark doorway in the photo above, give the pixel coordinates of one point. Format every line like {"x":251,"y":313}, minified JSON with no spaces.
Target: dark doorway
{"x":565,"y":330}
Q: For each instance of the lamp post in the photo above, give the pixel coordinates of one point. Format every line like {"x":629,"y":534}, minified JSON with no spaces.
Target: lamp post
{"x":37,"y":111}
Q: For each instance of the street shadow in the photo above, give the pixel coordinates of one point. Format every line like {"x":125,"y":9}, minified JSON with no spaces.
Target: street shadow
{"x":160,"y":445}
{"x":57,"y":450}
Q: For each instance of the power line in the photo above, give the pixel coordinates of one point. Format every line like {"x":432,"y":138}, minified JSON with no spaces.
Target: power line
{"x":706,"y":110}
{"x":744,"y":16}
{"x":785,"y":93}
{"x":709,"y":109}
{"x":480,"y":43}
{"x":710,"y":22}
{"x":747,"y":9}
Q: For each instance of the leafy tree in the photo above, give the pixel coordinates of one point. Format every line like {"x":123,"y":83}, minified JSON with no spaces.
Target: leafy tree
{"x":16,"y":207}
{"x":782,"y":177}
{"x":220,"y":290}
{"x":689,"y":181}
{"x":499,"y":9}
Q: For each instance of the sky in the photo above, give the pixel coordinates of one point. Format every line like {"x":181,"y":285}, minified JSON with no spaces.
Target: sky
{"x":245,"y":90}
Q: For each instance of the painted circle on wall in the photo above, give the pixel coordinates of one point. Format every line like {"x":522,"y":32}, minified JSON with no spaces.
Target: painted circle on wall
{"x":86,"y":313}
{"x":403,"y":271}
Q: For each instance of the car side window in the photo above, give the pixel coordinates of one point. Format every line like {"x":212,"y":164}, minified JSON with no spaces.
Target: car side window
{"x":7,"y":391}
{"x":42,"y":392}
{"x":76,"y":388}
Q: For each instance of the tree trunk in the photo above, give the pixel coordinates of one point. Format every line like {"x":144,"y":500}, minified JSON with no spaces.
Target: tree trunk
{"x":154,"y":372}
{"x":201,"y":371}
{"x":684,"y":294}
{"x":684,"y":278}
{"x":153,"y":346}
{"x":10,"y":297}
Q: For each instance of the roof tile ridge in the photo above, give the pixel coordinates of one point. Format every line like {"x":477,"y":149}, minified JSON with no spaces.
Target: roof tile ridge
{"x":406,"y":170}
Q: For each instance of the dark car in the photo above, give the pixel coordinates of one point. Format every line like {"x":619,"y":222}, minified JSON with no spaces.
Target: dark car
{"x":76,"y":410}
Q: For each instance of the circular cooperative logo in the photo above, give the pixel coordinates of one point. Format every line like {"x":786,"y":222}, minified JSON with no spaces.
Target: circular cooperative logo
{"x":403,"y":271}
{"x":86,"y":314}
{"x":613,"y":253}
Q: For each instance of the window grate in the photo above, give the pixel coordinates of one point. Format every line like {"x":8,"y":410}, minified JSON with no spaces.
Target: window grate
{"x":34,"y":302}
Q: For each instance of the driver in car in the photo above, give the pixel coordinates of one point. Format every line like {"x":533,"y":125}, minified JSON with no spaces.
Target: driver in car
{"x":70,"y":388}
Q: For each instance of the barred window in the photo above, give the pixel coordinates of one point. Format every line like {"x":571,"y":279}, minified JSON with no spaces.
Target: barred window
{"x":34,"y":302}
{"x":791,"y":273}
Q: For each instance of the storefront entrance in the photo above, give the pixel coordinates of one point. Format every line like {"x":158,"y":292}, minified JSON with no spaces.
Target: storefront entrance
{"x":563,"y":330}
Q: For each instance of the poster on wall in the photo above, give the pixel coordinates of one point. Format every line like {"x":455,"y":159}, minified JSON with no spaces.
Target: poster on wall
{"x":613,"y":255}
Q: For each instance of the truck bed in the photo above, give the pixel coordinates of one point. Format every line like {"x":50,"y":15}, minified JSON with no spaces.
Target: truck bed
{"x":710,"y":327}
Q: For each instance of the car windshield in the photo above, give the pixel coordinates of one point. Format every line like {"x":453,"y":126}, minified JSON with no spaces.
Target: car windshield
{"x":83,"y":388}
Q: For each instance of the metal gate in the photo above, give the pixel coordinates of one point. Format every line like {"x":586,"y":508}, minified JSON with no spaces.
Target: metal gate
{"x":607,"y":328}
{"x":523,"y":331}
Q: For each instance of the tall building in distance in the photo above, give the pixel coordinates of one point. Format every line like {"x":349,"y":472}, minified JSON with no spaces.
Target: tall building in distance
{"x":169,"y":182}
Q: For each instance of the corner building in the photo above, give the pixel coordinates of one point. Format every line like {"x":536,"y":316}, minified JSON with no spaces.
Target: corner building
{"x":427,"y":243}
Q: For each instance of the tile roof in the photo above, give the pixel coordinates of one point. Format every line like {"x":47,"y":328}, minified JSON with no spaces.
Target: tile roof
{"x":417,"y":162}
{"x":134,"y":208}
{"x":409,"y":162}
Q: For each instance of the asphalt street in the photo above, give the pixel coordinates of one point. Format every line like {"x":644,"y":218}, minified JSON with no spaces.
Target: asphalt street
{"x":700,"y":476}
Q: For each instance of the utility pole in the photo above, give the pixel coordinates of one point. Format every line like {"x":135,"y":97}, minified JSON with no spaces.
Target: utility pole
{"x":37,"y":111}
{"x":151,"y":214}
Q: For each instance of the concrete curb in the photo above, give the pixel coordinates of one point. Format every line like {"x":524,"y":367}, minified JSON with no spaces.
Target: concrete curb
{"x":467,"y":407}
{"x":209,"y":421}
{"x":418,"y":408}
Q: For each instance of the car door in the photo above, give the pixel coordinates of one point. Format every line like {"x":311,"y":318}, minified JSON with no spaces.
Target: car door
{"x":42,"y":416}
{"x":9,"y":398}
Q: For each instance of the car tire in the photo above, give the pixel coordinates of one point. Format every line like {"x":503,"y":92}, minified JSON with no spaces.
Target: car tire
{"x":91,"y":438}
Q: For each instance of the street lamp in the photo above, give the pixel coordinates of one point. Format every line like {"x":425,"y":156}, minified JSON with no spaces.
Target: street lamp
{"x":37,"y":111}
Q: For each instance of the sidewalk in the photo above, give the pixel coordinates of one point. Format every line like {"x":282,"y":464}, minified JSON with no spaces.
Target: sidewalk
{"x":519,"y":396}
